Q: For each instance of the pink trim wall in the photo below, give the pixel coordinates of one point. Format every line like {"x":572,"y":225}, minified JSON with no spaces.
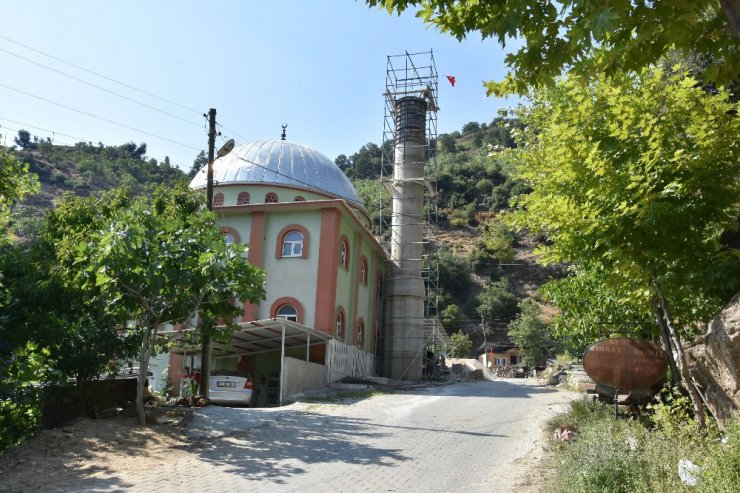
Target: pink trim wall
{"x":326,"y":284}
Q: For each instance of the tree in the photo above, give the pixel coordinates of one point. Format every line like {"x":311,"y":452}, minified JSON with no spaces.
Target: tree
{"x":24,"y":139}
{"x":496,"y":303}
{"x":200,"y":161}
{"x":461,"y":344}
{"x":164,"y":260}
{"x":531,"y":334}
{"x":635,"y":178}
{"x":629,"y":35}
{"x":15,"y":184}
{"x":471,"y":128}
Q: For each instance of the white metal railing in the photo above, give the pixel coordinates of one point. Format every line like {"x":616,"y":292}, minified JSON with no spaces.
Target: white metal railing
{"x":348,"y":360}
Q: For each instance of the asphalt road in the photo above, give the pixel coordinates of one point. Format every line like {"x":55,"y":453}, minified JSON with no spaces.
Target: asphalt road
{"x":477,"y":436}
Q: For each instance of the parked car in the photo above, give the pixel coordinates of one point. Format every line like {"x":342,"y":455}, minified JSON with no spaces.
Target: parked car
{"x":232,"y":387}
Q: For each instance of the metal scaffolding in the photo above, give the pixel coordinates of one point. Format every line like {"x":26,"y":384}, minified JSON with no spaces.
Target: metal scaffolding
{"x":413,"y":74}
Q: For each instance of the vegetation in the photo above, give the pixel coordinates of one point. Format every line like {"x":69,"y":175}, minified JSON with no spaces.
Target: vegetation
{"x":531,"y":335}
{"x":461,"y":345}
{"x":588,"y":37}
{"x":163,"y":260}
{"x":633,"y":182}
{"x":618,"y":455}
{"x":16,"y":182}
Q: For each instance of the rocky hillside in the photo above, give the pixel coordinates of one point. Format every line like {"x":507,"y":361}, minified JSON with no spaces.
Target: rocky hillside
{"x":83,"y":169}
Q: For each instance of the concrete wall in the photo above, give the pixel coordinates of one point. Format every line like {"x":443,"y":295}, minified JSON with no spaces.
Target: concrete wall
{"x":301,"y":376}
{"x":292,"y":277}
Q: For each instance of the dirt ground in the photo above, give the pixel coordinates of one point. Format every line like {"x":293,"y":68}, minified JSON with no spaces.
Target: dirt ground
{"x":89,"y":447}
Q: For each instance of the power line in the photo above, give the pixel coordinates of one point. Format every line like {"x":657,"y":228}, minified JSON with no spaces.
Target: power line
{"x":128,"y":86}
{"x":100,"y":88}
{"x":42,"y":129}
{"x":98,"y":117}
{"x":55,"y":139}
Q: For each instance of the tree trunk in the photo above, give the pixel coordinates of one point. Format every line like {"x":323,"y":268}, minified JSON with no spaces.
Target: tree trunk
{"x":732,"y":12}
{"x":686,"y":379}
{"x":149,"y":335}
{"x":665,"y":339}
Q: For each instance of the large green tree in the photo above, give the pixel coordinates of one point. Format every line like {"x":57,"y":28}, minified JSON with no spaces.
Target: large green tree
{"x":636,"y":178}
{"x":630,"y":35}
{"x":164,"y":261}
{"x":531,"y":335}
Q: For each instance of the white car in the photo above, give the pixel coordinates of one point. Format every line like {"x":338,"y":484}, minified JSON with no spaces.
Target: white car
{"x":231,"y":387}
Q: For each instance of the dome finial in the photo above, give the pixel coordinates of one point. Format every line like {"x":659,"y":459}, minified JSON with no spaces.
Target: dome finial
{"x":282,"y":136}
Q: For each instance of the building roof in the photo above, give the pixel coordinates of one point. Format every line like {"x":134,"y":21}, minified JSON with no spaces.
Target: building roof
{"x":280,"y":162}
{"x":259,"y":336}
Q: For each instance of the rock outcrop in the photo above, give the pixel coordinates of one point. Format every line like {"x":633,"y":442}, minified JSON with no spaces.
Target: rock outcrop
{"x":714,"y":362}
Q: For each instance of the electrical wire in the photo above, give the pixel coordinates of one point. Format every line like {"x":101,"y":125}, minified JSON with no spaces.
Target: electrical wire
{"x":54,"y":139}
{"x":101,"y":118}
{"x":100,"y":88}
{"x":53,"y":132}
{"x":128,"y":86}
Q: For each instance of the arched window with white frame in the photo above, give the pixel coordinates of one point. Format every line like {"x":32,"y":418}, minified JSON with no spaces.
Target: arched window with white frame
{"x":287,"y":312}
{"x":293,"y":244}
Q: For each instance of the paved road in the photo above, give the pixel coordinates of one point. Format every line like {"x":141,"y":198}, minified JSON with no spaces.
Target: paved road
{"x":463,"y":437}
{"x":467,"y":437}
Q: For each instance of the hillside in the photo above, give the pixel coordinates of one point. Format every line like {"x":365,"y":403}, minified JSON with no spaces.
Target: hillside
{"x":83,"y":169}
{"x":485,"y":268}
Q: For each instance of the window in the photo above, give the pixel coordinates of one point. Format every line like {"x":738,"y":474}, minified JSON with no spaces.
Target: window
{"x":242,"y":198}
{"x":363,"y":271}
{"x":271,"y":198}
{"x":228,"y":238}
{"x":287,"y":312}
{"x":344,"y":252}
{"x":361,"y":334}
{"x":218,"y":200}
{"x":293,"y":244}
{"x":299,"y":199}
{"x":340,"y":324}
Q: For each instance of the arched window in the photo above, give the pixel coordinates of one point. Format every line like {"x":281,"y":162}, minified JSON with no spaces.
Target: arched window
{"x":287,"y":312}
{"x":242,"y":198}
{"x":344,"y":252}
{"x":299,"y":199}
{"x":363,"y":271}
{"x":361,"y":334}
{"x":293,"y":244}
{"x":230,"y":235}
{"x":218,"y":200}
{"x":340,"y":324}
{"x":271,"y":198}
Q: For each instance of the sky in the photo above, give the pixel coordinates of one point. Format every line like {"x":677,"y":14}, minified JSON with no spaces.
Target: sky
{"x":318,"y":66}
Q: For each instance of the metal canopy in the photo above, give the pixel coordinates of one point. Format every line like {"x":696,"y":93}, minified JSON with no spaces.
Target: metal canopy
{"x":261,"y":336}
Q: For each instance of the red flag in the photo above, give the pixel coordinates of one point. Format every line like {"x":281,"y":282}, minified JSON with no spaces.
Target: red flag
{"x":451,"y":78}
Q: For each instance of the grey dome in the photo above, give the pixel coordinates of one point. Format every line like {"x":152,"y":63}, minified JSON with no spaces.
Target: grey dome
{"x":280,"y":162}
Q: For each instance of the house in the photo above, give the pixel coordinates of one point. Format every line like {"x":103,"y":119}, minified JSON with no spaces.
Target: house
{"x":307,"y":228}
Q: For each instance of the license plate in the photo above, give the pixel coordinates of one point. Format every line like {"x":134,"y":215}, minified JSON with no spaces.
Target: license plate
{"x":225,"y":384}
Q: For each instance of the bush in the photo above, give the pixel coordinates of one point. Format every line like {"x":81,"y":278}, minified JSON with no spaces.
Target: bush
{"x":612,"y":454}
{"x":22,"y":374}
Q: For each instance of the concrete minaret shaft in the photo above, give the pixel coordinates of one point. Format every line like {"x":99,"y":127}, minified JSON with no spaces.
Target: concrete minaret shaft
{"x":405,"y":293}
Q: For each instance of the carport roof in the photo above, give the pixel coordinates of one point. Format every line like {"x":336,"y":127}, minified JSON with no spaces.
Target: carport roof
{"x":259,"y":336}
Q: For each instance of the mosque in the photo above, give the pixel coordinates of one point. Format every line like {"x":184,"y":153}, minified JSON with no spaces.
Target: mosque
{"x":338,"y":302}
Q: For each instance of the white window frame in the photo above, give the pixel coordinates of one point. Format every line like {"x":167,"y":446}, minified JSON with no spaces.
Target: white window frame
{"x":291,"y":317}
{"x":294,"y":246}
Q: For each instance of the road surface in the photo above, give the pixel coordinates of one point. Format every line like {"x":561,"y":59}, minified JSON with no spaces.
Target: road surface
{"x":467,"y":437}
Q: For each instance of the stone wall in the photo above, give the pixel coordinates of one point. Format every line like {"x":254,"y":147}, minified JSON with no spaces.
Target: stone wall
{"x":714,"y":362}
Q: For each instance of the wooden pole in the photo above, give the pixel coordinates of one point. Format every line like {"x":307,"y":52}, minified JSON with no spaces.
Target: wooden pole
{"x":205,"y":356}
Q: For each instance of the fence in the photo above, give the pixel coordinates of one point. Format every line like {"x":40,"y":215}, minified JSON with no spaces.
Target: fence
{"x":347,"y":361}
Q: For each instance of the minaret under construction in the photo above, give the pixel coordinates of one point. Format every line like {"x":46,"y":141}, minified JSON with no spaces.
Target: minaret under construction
{"x":411,"y":86}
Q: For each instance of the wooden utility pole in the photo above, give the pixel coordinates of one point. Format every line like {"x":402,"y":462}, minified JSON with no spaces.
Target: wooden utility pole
{"x":205,"y":355}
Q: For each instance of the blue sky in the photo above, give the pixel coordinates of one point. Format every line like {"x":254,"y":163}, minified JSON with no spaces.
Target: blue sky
{"x":317,"y":65}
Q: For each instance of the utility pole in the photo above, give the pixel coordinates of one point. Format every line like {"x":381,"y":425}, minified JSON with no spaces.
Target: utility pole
{"x":205,"y":356}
